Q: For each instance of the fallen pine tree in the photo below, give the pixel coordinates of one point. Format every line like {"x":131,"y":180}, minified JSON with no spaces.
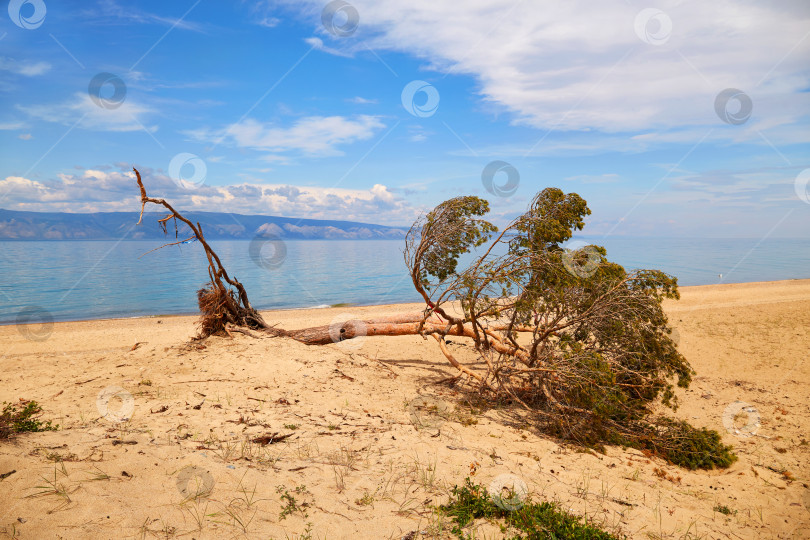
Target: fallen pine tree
{"x":576,"y":340}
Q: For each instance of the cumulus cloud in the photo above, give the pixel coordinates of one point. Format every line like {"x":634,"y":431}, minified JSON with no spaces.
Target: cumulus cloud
{"x":312,"y":135}
{"x":97,"y":190}
{"x":581,"y":65}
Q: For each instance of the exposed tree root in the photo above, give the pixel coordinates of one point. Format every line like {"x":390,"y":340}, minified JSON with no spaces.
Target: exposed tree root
{"x":224,"y":300}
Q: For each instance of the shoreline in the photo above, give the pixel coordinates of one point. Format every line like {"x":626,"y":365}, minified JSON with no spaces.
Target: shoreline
{"x":708,"y":287}
{"x":196,"y":314}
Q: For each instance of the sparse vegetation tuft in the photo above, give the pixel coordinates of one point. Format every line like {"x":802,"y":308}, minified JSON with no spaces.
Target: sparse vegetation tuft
{"x":532,"y":521}
{"x":723,"y":509}
{"x":22,"y":417}
{"x":291,"y":505}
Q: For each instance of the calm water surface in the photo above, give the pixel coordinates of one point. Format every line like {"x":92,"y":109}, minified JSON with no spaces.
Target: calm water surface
{"x":102,"y":279}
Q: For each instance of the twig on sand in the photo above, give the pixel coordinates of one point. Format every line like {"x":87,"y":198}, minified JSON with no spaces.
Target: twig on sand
{"x":264,"y":440}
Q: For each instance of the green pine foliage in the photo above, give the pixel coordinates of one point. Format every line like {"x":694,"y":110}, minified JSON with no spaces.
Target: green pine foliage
{"x":577,"y":339}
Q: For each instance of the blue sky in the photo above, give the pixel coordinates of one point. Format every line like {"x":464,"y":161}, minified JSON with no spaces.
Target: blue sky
{"x":670,"y":118}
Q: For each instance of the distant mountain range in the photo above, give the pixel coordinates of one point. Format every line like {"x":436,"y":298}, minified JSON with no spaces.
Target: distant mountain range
{"x":17,"y":225}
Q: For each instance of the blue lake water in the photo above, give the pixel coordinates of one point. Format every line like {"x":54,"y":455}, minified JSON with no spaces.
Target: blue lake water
{"x":103,"y":279}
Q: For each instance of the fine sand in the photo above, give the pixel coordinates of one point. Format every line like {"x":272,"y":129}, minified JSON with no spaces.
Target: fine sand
{"x":355,"y":465}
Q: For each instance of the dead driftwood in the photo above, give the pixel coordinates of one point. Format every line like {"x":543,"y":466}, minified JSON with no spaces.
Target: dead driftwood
{"x":223,"y":301}
{"x":225,"y":307}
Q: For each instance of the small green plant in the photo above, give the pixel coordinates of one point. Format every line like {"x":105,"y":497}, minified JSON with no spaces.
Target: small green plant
{"x":723,"y":509}
{"x":97,"y":475}
{"x":291,"y":427}
{"x":307,"y":534}
{"x":237,"y":515}
{"x":425,"y":475}
{"x":22,"y":417}
{"x":54,"y":488}
{"x":198,"y":513}
{"x":531,"y":521}
{"x":290,"y":504}
{"x":366,"y":500}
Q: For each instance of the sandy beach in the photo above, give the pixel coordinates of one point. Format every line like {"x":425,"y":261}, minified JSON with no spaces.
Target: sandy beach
{"x":359,"y":459}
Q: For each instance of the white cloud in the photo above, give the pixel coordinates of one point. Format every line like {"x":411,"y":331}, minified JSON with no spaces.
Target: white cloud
{"x":107,"y":10}
{"x":268,"y":22}
{"x":753,"y":186}
{"x":594,"y":178}
{"x":579,"y":65}
{"x":362,"y":101}
{"x":96,"y":190}
{"x":313,"y":135}
{"x":25,"y":136}
{"x":417,"y":133}
{"x":29,"y":69}
{"x":129,"y":116}
{"x":317,"y":43}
